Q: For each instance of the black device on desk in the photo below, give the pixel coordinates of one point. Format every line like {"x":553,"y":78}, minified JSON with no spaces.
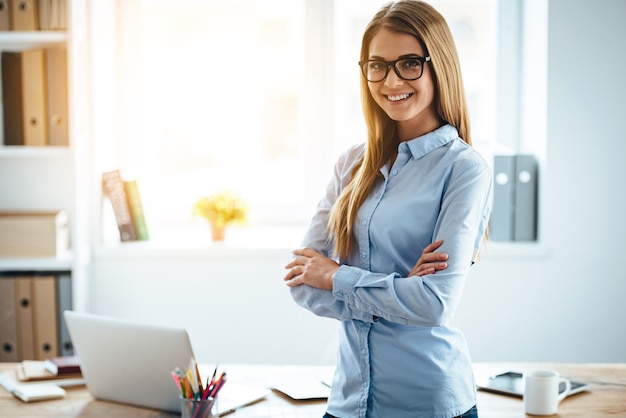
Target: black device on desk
{"x":512,"y":384}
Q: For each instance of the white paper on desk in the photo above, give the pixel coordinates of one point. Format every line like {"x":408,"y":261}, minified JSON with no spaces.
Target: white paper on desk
{"x":302,"y":388}
{"x":234,"y":396}
{"x":7,"y":382}
{"x":38,"y":392}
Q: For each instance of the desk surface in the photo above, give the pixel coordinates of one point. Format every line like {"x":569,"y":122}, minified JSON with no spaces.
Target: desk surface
{"x":606,"y":397}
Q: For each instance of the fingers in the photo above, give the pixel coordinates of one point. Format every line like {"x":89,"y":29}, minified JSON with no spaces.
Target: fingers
{"x":294,"y":281}
{"x":434,"y":257}
{"x":305,"y":251}
{"x":432,"y":267}
{"x":431,"y":261}
{"x":296,"y":266}
{"x":424,"y":272}
{"x":432,"y":246}
{"x":311,"y":268}
{"x":293,"y":271}
{"x":428,"y":268}
{"x":296,"y":261}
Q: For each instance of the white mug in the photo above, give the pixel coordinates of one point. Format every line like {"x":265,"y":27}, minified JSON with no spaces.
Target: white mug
{"x":541,"y":392}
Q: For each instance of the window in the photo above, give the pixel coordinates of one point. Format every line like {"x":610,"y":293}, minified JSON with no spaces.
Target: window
{"x":256,"y":97}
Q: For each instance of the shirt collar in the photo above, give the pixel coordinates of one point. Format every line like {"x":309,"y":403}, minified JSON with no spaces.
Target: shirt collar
{"x":422,"y":145}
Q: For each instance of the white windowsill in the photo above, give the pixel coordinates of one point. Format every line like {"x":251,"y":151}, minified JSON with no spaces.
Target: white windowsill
{"x":194,"y":243}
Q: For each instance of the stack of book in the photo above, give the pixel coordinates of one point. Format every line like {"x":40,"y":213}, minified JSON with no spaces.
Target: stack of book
{"x":52,"y":368}
{"x":127,"y":207}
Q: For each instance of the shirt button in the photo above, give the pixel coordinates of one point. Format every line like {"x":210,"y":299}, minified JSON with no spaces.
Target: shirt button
{"x":394,"y":172}
{"x":363,"y":222}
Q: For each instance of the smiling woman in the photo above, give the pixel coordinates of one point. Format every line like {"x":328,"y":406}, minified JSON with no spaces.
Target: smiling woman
{"x":255,"y":97}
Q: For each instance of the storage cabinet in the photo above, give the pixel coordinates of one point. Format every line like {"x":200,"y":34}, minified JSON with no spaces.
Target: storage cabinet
{"x":44,"y":178}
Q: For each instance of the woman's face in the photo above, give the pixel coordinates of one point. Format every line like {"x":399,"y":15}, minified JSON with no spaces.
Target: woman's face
{"x":410,"y":103}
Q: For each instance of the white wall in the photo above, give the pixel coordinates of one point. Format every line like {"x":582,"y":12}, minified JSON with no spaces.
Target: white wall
{"x":561,"y":302}
{"x":568,"y":305}
{"x":233,"y":302}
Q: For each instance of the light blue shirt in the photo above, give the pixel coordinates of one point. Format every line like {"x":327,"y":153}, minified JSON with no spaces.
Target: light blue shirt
{"x":397,"y":355}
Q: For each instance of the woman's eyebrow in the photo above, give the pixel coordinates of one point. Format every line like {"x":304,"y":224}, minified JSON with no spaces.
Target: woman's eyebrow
{"x":379,"y":58}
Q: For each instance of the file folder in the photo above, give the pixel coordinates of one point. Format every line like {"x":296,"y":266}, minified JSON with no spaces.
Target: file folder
{"x":501,"y":221}
{"x":24,"y":315}
{"x":13,"y":108}
{"x":8,"y":321}
{"x":525,"y":198}
{"x":64,"y":303}
{"x":5,"y":20}
{"x":56,"y":83}
{"x":515,"y":198}
{"x":44,"y":297}
{"x":43,"y":14}
{"x":23,"y":88}
{"x":33,"y":90}
{"x":24,"y":15}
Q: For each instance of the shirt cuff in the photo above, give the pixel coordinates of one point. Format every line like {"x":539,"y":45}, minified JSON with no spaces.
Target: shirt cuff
{"x":344,"y":282}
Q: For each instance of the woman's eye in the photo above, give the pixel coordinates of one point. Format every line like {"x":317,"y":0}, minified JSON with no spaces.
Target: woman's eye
{"x":377,"y":66}
{"x":410,"y":64}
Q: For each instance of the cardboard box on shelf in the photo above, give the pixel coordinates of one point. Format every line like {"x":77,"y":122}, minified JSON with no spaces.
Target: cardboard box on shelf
{"x":34,"y":234}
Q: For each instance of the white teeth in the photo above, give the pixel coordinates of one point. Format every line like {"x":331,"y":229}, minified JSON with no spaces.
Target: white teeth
{"x":398,"y":97}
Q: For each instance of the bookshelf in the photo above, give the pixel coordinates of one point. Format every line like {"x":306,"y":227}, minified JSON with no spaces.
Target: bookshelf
{"x":44,"y":178}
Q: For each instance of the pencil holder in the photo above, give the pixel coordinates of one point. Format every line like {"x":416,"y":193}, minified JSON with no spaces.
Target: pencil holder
{"x":199,"y":408}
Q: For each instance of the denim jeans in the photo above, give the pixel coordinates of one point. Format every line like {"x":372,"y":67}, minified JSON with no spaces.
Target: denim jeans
{"x":472,"y":413}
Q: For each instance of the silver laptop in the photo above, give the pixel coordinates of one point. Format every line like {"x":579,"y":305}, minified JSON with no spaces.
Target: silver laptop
{"x":131,"y":363}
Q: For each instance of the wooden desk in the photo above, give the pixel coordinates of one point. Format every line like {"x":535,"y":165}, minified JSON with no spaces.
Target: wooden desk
{"x":606,"y":398}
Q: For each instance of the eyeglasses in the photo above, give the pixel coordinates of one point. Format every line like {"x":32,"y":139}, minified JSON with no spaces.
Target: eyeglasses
{"x":406,"y":68}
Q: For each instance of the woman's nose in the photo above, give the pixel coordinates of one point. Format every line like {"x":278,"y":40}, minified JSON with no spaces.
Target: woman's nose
{"x":393,"y":79}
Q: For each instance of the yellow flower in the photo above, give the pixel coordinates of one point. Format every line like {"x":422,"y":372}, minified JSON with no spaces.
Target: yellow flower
{"x":222,"y":208}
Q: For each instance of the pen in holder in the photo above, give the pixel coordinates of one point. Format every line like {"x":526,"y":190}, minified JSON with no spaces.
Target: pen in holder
{"x":197,"y":400}
{"x":198,"y":408}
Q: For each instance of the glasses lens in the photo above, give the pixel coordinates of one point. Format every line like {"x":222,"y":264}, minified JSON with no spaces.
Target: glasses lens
{"x":410,"y":68}
{"x":374,"y":70}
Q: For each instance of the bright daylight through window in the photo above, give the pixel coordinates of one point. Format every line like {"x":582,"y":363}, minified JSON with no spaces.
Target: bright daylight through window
{"x":260,"y":97}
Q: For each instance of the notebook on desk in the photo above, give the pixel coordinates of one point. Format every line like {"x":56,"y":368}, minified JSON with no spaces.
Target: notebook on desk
{"x":130,"y":362}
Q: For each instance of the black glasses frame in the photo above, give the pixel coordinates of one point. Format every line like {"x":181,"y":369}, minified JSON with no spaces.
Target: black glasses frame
{"x":392,"y":64}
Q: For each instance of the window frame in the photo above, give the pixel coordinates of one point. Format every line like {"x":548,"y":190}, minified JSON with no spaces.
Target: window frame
{"x":320,"y":126}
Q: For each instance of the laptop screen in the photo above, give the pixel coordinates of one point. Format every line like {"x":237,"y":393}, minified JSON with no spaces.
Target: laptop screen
{"x":129,"y":362}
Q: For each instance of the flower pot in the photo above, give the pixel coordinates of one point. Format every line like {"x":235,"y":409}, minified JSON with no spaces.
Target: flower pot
{"x":218,"y":232}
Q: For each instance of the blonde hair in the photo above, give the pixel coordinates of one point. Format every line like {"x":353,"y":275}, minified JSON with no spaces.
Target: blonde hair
{"x":421,"y":20}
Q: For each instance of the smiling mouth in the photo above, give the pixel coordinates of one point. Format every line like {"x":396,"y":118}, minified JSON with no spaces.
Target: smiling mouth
{"x":399,"y":97}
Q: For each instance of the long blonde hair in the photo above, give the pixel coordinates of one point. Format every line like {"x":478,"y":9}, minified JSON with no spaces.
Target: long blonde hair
{"x":421,"y":20}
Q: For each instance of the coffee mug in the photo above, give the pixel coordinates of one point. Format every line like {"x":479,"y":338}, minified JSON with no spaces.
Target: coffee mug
{"x":541,"y":392}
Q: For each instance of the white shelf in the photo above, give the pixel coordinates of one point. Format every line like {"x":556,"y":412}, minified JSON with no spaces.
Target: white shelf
{"x":21,"y":151}
{"x":36,"y":264}
{"x":20,"y":41}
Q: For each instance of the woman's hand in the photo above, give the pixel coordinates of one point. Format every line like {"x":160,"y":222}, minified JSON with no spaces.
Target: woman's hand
{"x":430,"y":261}
{"x":312,"y":268}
